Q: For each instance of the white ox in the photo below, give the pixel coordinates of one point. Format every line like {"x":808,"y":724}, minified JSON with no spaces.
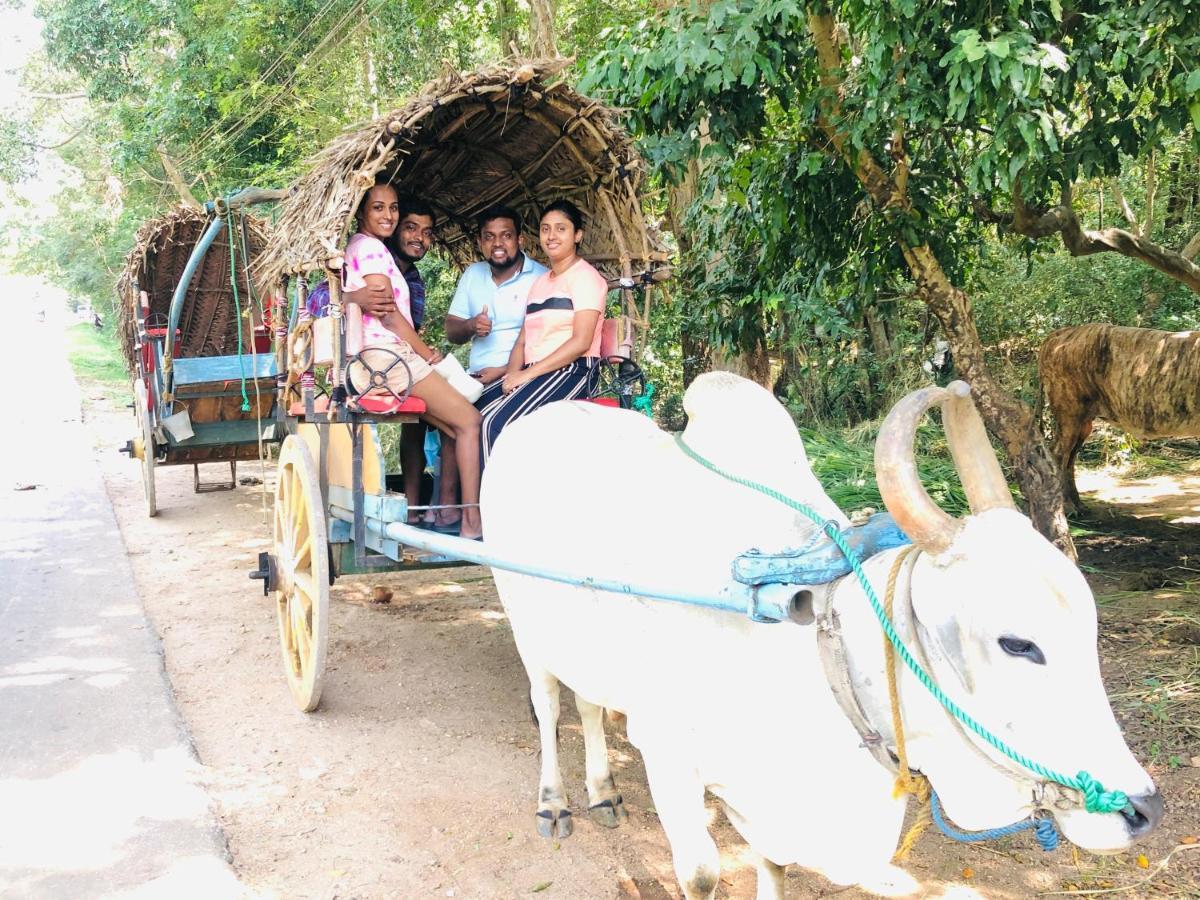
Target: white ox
{"x":714,"y":701}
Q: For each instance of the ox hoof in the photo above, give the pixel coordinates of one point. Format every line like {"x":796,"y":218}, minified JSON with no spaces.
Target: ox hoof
{"x":609,"y":813}
{"x":554,"y":824}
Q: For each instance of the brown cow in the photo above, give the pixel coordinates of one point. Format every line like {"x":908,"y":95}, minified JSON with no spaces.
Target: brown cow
{"x":1145,"y":382}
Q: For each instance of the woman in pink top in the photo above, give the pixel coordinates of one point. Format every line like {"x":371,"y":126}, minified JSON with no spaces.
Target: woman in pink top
{"x":557,"y":354}
{"x":369,"y":263}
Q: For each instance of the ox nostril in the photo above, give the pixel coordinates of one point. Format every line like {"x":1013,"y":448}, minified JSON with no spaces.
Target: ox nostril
{"x":1146,"y":814}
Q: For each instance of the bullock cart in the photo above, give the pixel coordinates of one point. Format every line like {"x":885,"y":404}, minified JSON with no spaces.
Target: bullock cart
{"x":516,"y":136}
{"x":513,"y":136}
{"x":203,"y":377}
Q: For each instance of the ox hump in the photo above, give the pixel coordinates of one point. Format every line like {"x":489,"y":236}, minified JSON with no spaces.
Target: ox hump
{"x":739,"y":426}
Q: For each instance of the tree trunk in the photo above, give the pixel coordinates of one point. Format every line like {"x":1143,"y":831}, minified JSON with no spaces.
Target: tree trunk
{"x":542,"y":41}
{"x":1176,"y":202}
{"x":1151,"y":192}
{"x":506,"y":20}
{"x":1010,"y":420}
{"x":876,"y":325}
{"x":754,"y":364}
{"x":680,"y":197}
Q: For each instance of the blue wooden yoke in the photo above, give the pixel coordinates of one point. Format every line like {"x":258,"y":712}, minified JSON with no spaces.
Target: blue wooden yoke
{"x":819,"y":561}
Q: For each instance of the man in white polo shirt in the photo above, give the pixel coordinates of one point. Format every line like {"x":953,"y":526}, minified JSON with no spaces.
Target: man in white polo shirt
{"x":488,"y":310}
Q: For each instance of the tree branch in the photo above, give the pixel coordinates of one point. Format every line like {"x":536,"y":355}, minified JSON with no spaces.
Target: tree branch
{"x":39,"y":95}
{"x":1081,"y":241}
{"x":1191,"y":248}
{"x":53,"y":146}
{"x":176,"y":180}
{"x":1126,"y":209}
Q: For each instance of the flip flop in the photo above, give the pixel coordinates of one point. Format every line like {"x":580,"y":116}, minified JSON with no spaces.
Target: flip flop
{"x":448,"y":528}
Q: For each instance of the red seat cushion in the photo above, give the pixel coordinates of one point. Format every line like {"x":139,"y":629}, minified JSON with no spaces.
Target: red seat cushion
{"x":376,"y":405}
{"x":320,"y":405}
{"x":387,"y":405}
{"x":605,"y":401}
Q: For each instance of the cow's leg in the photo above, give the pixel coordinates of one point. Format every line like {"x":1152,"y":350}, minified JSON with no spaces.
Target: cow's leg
{"x":1072,"y":492}
{"x":1071,"y":426}
{"x":679,"y":800}
{"x":553,"y":817}
{"x":770,"y":879}
{"x":1073,"y":431}
{"x":605,"y":806}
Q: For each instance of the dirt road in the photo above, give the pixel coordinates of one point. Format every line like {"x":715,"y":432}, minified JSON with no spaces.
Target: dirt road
{"x":417,"y":776}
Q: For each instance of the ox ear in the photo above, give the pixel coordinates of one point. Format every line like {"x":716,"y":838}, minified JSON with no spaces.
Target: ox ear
{"x":943,"y":639}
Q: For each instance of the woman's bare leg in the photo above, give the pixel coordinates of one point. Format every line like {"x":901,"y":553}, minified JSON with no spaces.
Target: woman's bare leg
{"x":461,"y":421}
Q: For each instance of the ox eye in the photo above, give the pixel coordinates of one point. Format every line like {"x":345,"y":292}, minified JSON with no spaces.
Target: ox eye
{"x":1027,"y":649}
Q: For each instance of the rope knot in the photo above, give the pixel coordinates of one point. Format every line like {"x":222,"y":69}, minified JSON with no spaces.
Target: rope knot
{"x":1046,"y":834}
{"x":1096,"y":799}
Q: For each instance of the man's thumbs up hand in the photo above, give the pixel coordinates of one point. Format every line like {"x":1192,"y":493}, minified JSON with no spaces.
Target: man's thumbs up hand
{"x":483,"y":325}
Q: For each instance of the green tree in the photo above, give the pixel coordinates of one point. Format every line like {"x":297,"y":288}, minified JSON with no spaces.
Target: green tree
{"x":937,"y":121}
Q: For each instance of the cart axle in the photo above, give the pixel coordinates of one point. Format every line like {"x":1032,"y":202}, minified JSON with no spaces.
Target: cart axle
{"x":266,"y":573}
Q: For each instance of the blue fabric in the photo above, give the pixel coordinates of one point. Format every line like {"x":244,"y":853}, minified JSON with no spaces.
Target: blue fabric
{"x":506,"y":309}
{"x":433,"y":450}
{"x":317,"y":301}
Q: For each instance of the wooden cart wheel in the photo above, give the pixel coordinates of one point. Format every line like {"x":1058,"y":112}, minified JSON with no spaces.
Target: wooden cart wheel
{"x":302,"y":561}
{"x":141,"y":409}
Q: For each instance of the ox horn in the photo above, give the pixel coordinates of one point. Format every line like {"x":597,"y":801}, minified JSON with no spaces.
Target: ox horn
{"x":929,"y":526}
{"x":978,"y":469}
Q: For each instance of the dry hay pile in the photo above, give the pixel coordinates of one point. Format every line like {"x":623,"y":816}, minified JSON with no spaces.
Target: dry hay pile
{"x":208,"y":325}
{"x":511,"y":135}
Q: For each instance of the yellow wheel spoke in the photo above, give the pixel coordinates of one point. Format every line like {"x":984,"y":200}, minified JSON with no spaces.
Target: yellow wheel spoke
{"x":306,"y":585}
{"x":302,"y":553}
{"x":299,"y":524}
{"x":301,"y":631}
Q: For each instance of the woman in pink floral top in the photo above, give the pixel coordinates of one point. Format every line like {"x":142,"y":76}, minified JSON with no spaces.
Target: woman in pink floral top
{"x":368,"y":262}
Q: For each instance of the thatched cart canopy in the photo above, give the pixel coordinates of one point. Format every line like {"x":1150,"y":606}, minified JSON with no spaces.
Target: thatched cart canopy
{"x":512,"y":135}
{"x":162,"y":246}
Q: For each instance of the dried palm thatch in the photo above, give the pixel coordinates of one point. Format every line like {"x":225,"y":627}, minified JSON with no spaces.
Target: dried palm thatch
{"x":509,"y":135}
{"x":162,"y":246}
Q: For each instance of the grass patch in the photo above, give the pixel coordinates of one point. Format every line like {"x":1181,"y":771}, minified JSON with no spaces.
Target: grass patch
{"x":844,"y":463}
{"x":97,"y":362}
{"x":1111,"y":448}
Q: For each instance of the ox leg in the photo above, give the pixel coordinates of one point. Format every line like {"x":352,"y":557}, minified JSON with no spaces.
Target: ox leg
{"x":770,"y":879}
{"x":679,"y":799}
{"x":605,"y":806}
{"x":553,"y":817}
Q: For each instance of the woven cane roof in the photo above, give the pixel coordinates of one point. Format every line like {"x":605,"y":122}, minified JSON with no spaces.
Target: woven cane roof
{"x":162,"y":246}
{"x":512,"y":135}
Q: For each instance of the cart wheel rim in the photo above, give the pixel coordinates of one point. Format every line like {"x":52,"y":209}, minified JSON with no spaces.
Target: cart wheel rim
{"x":142,"y":411}
{"x":302,"y":559}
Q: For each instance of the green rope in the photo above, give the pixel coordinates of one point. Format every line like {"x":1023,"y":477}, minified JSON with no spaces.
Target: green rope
{"x":237,"y":307}
{"x":1096,"y":799}
{"x":645,"y":403}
